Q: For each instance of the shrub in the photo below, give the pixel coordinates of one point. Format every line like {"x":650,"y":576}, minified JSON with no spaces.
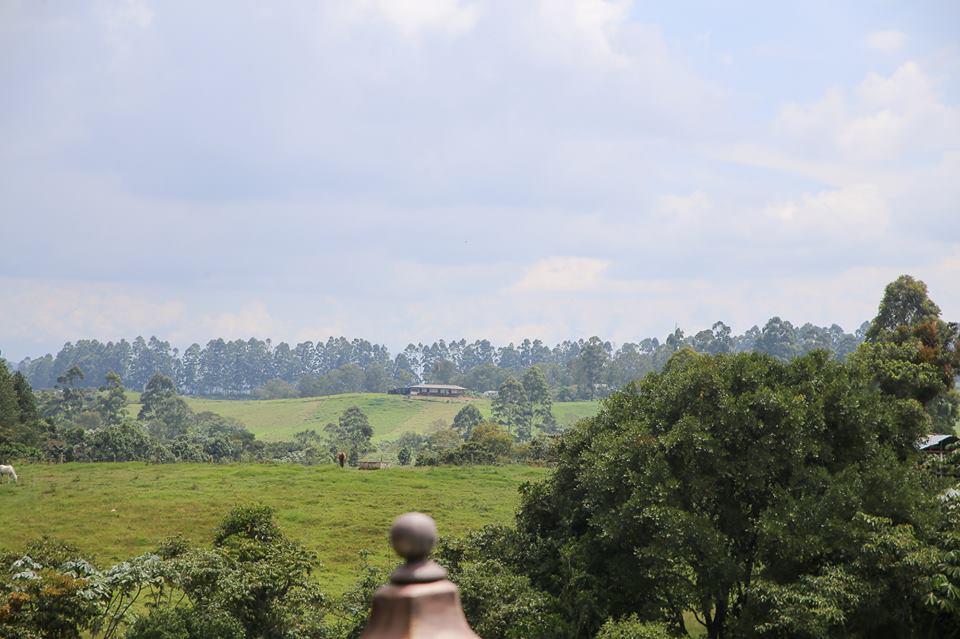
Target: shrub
{"x":185,"y":623}
{"x":250,"y":522}
{"x":633,"y":628}
{"x":501,"y":604}
{"x":427,"y":458}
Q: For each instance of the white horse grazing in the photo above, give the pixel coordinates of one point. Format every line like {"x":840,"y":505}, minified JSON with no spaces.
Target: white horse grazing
{"x":9,"y":471}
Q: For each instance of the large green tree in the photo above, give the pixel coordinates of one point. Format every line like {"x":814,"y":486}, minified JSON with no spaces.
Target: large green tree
{"x":779,"y":339}
{"x":9,"y":405}
{"x":910,"y":351}
{"x":538,"y":395}
{"x":591,"y":363}
{"x":713,"y":484}
{"x":112,"y":402}
{"x":26,"y":400}
{"x":19,"y":417}
{"x":905,"y":303}
{"x":159,"y":389}
{"x":72,"y":396}
{"x":442,"y":372}
{"x":165,"y":414}
{"x":351,"y":433}
{"x":466,"y":419}
{"x":512,"y":408}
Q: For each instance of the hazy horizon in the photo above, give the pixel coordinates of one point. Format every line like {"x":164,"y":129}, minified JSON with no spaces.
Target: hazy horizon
{"x":398,"y":348}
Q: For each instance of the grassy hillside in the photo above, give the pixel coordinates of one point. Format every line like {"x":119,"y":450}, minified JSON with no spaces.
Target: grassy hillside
{"x":115,"y":511}
{"x":389,"y":415}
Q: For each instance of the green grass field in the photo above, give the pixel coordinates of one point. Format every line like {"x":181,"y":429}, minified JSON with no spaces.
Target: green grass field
{"x":390,"y":415}
{"x":116,"y":511}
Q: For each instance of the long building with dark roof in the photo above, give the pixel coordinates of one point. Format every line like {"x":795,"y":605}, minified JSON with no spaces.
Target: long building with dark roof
{"x":432,"y":390}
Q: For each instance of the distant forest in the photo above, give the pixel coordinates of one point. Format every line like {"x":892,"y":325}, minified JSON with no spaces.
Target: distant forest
{"x":582,"y":369}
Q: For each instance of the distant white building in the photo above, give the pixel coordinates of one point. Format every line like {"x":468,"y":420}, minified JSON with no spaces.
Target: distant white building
{"x":431,"y":390}
{"x":937,"y":443}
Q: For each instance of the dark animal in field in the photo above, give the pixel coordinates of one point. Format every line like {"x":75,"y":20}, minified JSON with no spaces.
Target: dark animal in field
{"x":342,"y":458}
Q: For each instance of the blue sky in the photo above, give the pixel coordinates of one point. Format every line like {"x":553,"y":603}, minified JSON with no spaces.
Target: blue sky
{"x":411,"y":170}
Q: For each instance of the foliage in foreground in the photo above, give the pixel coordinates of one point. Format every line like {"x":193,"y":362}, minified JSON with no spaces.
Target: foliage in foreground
{"x":771,"y":499}
{"x":633,"y":628}
{"x":252,"y":582}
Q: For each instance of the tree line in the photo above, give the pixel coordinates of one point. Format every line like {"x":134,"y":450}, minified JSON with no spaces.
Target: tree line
{"x":580,"y":369}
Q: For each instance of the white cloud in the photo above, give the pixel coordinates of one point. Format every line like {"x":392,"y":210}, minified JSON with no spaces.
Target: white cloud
{"x":587,"y":29}
{"x":906,"y":88}
{"x":877,"y":134}
{"x":253,"y":320}
{"x":846,"y":297}
{"x":886,"y":40}
{"x":833,"y":171}
{"x":315,"y":333}
{"x":563,"y":274}
{"x":859,"y":210}
{"x":683,"y":209}
{"x":122,"y":14}
{"x":882,"y":119}
{"x":415,"y":18}
{"x":930,"y":196}
{"x":49,"y":311}
{"x":815,"y":122}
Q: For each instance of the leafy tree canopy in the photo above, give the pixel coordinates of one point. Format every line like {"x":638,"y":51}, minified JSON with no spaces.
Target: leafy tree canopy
{"x":159,"y":389}
{"x":466,"y":418}
{"x":722,"y":478}
{"x":905,"y":303}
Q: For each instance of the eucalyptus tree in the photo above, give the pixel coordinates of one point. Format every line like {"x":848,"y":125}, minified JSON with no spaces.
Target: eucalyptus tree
{"x":512,"y":408}
{"x":466,"y":419}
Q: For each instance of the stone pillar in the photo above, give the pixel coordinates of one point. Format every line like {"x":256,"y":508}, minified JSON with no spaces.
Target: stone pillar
{"x":419,"y":602}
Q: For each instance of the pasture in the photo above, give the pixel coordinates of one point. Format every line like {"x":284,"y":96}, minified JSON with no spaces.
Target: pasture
{"x":390,"y":415}
{"x":113,"y":511}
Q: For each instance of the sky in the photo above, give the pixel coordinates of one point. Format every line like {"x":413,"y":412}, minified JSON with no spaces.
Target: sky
{"x":411,"y":170}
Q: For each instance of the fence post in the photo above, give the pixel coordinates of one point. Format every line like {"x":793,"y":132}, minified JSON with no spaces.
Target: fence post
{"x":419,"y":602}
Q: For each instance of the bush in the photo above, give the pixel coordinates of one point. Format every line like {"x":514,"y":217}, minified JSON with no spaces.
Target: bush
{"x":48,"y":593}
{"x":254,"y":582}
{"x":501,"y":604}
{"x":427,"y":458}
{"x":161,"y":454}
{"x":11,"y":452}
{"x":276,"y":389}
{"x":249,"y":522}
{"x":185,"y":623}
{"x":633,"y":628}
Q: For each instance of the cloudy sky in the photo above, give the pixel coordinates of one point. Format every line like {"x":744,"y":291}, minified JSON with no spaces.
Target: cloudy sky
{"x":406,"y":170}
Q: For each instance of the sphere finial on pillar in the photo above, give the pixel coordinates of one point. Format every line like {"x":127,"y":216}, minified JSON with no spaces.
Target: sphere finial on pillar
{"x":419,"y":602}
{"x":413,"y":536}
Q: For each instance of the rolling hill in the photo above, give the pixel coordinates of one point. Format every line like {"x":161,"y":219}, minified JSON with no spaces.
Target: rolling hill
{"x":390,"y":415}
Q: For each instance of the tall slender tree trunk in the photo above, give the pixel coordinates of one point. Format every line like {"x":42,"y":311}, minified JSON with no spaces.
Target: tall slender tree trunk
{"x":715,"y":628}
